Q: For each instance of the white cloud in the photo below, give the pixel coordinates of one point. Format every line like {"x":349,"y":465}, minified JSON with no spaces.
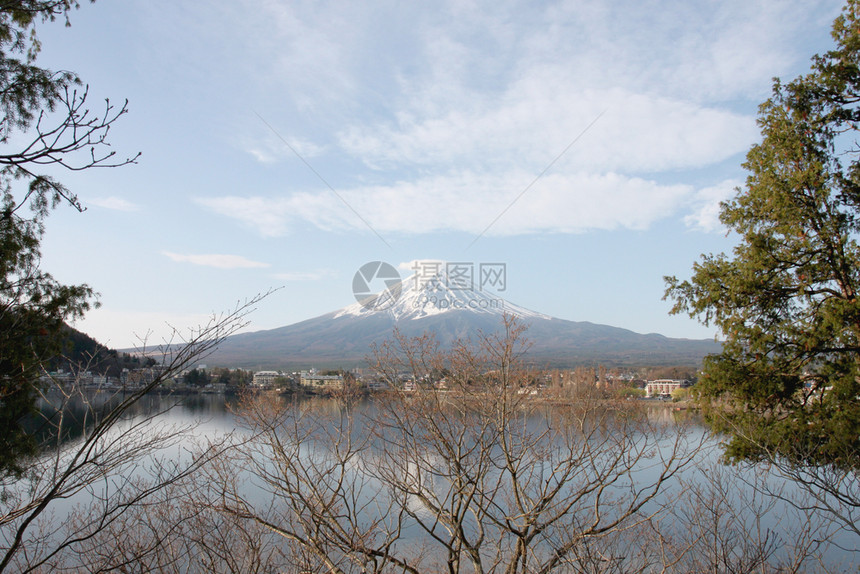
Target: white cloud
{"x":532,"y":125}
{"x":706,"y":206}
{"x":269,"y":217}
{"x":271,"y":149}
{"x":114,"y":203}
{"x":335,"y":53}
{"x":457,"y":114}
{"x":305,"y":275}
{"x":469,"y":203}
{"x":411,"y":266}
{"x":334,"y":62}
{"x":219,"y":261}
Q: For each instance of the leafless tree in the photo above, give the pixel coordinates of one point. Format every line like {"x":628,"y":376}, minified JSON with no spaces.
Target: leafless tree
{"x":70,"y":136}
{"x":732,"y":519}
{"x":173,"y":532}
{"x":476,"y":475}
{"x":302,"y":474}
{"x":121,"y":459}
{"x":459,"y":467}
{"x":828,"y":489}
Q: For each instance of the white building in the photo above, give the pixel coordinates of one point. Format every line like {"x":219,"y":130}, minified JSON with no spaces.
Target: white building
{"x":266,"y":378}
{"x":662,"y":387}
{"x":312,"y":380}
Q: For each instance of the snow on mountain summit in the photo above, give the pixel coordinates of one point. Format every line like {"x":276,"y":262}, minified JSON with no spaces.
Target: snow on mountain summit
{"x":417,"y":297}
{"x":439,"y":304}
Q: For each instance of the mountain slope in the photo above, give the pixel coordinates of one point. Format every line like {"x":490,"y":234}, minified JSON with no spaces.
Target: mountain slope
{"x":343,"y":338}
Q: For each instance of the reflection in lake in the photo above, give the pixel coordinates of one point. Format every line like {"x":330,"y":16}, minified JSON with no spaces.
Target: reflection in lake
{"x":541,"y":486}
{"x":65,"y":417}
{"x":435,"y":482}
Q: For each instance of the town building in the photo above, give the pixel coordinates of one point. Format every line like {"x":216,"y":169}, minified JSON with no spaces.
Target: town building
{"x":662,"y":387}
{"x":266,"y":378}
{"x":312,"y":380}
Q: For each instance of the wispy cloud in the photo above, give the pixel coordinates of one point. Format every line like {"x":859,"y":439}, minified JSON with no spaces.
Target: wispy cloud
{"x":477,"y":102}
{"x":420,"y":266}
{"x":706,"y":207}
{"x":469,"y":202}
{"x":269,"y":217}
{"x":270,"y":149}
{"x":114,"y":203}
{"x":327,"y":55}
{"x":640,"y":133}
{"x":219,"y":261}
{"x":305,"y":275}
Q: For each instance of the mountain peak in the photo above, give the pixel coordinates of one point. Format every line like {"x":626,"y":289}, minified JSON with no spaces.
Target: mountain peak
{"x":427,"y":294}
{"x":448,"y":303}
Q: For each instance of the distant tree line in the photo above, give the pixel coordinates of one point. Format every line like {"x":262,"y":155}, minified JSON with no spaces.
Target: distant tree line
{"x":218,"y":375}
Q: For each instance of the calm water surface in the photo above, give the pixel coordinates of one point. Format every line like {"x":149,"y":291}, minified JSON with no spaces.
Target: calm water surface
{"x":211,"y":417}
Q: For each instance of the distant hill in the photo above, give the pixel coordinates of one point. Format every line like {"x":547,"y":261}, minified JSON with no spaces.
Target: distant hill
{"x":343,"y":338}
{"x":82,"y":352}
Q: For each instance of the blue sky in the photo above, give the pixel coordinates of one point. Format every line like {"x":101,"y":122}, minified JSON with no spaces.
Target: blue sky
{"x":428,"y":120}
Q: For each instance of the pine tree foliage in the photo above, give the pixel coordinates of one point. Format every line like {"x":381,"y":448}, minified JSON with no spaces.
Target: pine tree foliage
{"x":786,"y":299}
{"x":45,"y":124}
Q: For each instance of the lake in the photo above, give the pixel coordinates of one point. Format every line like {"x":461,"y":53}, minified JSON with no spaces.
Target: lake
{"x":397,"y":476}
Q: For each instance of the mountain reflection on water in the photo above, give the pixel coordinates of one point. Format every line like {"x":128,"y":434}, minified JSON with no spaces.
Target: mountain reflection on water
{"x":211,"y":417}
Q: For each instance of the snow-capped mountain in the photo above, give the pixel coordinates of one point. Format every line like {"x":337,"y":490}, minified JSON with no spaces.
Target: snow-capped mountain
{"x":418,"y":298}
{"x":343,"y":338}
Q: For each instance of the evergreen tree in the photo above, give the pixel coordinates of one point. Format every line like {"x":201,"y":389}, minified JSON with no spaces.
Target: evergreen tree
{"x":44,"y":124}
{"x":786,"y":300}
{"x":197,"y":378}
